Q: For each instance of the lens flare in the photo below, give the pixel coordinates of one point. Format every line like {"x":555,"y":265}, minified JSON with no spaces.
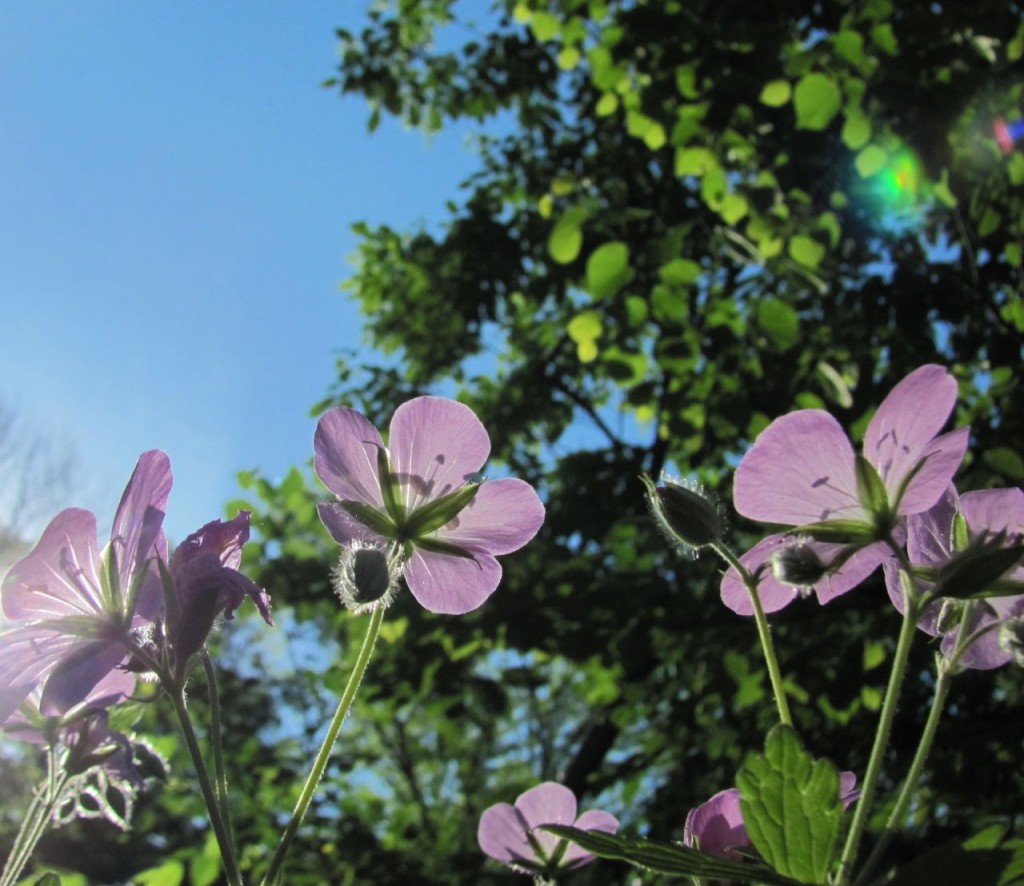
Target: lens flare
{"x":899,"y":184}
{"x":1008,"y":134}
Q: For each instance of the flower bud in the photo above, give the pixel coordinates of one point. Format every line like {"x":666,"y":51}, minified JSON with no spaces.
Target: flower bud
{"x":687,"y":516}
{"x":797,"y":564}
{"x":365,"y":577}
{"x":1011,"y":638}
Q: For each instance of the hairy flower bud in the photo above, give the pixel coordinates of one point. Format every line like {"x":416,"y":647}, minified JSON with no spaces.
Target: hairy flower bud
{"x":797,"y":564}
{"x":365,"y":577}
{"x":686,"y":515}
{"x":1011,"y":638}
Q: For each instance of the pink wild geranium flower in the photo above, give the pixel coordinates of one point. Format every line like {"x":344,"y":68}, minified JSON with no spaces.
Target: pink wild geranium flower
{"x":717,"y":827}
{"x":208,"y":584}
{"x":71,"y":608}
{"x":417,"y":499}
{"x":930,"y":543}
{"x":802,"y":471}
{"x":513,"y":835}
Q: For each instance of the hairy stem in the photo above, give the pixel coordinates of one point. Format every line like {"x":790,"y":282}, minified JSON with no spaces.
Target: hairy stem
{"x":323,"y":755}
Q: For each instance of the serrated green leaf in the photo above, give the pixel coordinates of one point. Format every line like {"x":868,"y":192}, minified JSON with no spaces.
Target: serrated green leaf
{"x":608,"y":270}
{"x":817,"y":100}
{"x":776,"y":93}
{"x":791,"y":807}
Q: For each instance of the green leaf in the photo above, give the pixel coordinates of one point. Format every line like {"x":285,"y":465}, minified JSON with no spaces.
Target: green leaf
{"x":608,"y":269}
{"x":817,"y":100}
{"x":780,"y":322}
{"x":679,"y":272}
{"x":567,"y":237}
{"x":205,"y":867}
{"x":585,"y":329}
{"x":776,"y":93}
{"x":856,"y":130}
{"x":849,"y":46}
{"x":544,"y":25}
{"x":1007,"y":462}
{"x":806,"y":251}
{"x":671,"y":859}
{"x":170,"y":873}
{"x":870,"y":161}
{"x":733,"y":208}
{"x":607,"y":104}
{"x":790,"y":805}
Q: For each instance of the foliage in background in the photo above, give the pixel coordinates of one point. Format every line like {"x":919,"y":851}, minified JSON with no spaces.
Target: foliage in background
{"x":689,"y":218}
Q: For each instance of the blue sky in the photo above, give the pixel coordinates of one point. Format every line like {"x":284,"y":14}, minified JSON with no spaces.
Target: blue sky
{"x":176,"y":191}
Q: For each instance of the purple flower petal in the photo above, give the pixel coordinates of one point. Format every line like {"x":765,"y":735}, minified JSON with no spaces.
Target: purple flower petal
{"x":774,"y":595}
{"x":994,"y":510}
{"x":547,"y":803}
{"x":502,"y":835}
{"x":140,"y":515}
{"x":504,"y":516}
{"x":58,"y":577}
{"x":346,"y":447}
{"x":592,"y":820}
{"x":801,"y":469}
{"x":905,"y":424}
{"x":451,"y":585}
{"x":343,"y":527}
{"x":78,"y":674}
{"x":716,"y":826}
{"x":940,"y":461}
{"x":854,"y":571}
{"x":436,"y":445}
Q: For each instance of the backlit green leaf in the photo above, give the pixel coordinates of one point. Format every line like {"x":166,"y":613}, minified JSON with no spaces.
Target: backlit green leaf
{"x":817,"y":100}
{"x":608,"y":270}
{"x":790,"y":805}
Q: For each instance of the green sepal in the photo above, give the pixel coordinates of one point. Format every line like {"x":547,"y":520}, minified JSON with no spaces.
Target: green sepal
{"x":871,"y":491}
{"x":436,"y":546}
{"x":172,"y":605}
{"x":111,"y":580}
{"x":389,"y":487}
{"x":974,"y":571}
{"x":671,"y":859}
{"x":435,"y":514}
{"x":88,"y":627}
{"x":791,"y":808}
{"x":843,"y":532}
{"x":959,"y":534}
{"x":371,"y":518}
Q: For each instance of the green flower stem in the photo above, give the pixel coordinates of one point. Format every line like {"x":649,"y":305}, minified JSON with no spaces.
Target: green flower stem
{"x":924,"y":747}
{"x":33,"y":826}
{"x":323,"y":755}
{"x":763,"y":631}
{"x":213,"y":808}
{"x":216,"y":739}
{"x":863,"y":806}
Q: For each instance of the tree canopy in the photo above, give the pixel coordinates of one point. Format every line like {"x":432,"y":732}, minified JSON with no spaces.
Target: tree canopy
{"x":688,"y":219}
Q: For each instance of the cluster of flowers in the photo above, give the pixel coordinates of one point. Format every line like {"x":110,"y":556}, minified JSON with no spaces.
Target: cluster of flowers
{"x":82,"y":624}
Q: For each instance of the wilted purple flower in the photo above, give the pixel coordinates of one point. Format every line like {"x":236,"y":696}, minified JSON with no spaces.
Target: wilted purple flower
{"x":513,"y":835}
{"x":802,"y":471}
{"x":71,"y":607}
{"x":207,"y":583}
{"x":418,"y":499}
{"x":930,"y":543}
{"x":717,"y":828}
